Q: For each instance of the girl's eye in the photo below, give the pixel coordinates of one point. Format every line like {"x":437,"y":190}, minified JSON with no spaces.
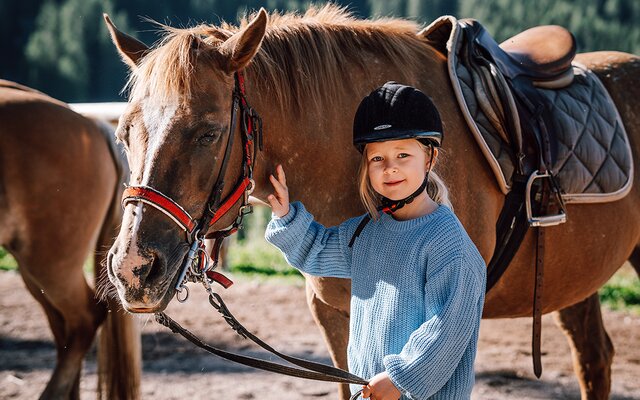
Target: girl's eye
{"x":376,"y":158}
{"x":403,"y":155}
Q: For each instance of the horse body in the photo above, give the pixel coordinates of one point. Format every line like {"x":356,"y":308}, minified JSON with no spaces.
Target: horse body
{"x":306,"y":82}
{"x":58,"y":183}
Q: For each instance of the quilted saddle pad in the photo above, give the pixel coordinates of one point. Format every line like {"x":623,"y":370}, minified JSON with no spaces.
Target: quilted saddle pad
{"x":594,"y":161}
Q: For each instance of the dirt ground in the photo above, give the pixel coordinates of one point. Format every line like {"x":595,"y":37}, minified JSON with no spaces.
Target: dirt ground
{"x":276,"y":311}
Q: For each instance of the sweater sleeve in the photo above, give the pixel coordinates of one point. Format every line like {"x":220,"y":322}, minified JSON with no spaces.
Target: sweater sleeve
{"x":453,"y":296}
{"x":309,"y":246}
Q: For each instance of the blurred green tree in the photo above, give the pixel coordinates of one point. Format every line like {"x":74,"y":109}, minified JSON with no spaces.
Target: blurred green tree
{"x":596,"y":24}
{"x":423,"y":11}
{"x":70,"y":54}
{"x":18,"y":19}
{"x":62,"y":46}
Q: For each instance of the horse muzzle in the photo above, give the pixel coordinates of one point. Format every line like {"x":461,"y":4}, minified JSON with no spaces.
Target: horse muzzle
{"x":143,"y":282}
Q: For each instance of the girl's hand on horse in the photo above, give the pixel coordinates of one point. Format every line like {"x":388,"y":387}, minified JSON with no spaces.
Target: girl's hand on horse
{"x":380,"y":387}
{"x":280,"y":199}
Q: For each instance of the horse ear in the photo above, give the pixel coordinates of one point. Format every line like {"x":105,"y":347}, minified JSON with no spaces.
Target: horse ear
{"x":131,"y":49}
{"x":240,"y":48}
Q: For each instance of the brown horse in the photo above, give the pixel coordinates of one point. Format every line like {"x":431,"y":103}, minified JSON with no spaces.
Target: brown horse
{"x":59,"y":200}
{"x":306,"y":76}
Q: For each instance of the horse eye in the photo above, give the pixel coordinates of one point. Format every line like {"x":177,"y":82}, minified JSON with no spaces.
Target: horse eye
{"x":208,"y":138}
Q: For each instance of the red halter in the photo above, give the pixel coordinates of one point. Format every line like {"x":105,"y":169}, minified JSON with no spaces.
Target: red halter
{"x":251,"y":132}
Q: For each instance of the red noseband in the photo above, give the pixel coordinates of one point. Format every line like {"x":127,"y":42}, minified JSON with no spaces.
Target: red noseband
{"x":163,"y":203}
{"x":173,"y":210}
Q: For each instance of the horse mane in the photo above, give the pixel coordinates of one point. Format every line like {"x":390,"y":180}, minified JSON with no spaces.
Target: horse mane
{"x":318,"y":45}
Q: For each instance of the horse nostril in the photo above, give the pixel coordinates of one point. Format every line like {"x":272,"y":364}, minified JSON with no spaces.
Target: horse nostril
{"x":109,"y":262}
{"x":156,"y":269}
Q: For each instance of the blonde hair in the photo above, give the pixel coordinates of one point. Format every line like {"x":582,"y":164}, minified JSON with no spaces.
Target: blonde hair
{"x":436,"y":189}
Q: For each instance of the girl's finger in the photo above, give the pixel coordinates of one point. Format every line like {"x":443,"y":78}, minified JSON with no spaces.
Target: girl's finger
{"x":282,"y":178}
{"x":275,"y":204}
{"x":281,"y":191}
{"x":277,"y":185}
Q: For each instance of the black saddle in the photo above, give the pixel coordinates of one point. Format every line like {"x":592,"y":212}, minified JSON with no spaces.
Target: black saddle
{"x":542,"y":54}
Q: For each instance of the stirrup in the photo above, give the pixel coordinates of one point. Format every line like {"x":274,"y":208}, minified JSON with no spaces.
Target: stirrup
{"x":544,"y":220}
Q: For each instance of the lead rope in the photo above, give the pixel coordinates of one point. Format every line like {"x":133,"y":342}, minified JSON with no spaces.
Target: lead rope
{"x":313,"y":370}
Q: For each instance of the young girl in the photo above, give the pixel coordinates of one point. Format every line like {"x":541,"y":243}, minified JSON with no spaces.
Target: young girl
{"x":417,"y":280}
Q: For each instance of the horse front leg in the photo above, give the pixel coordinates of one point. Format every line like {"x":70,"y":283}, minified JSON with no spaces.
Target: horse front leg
{"x":73,"y":322}
{"x":591,"y":347}
{"x":328,"y":301}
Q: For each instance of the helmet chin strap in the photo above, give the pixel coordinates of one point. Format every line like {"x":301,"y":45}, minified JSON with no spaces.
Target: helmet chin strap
{"x":389,"y":206}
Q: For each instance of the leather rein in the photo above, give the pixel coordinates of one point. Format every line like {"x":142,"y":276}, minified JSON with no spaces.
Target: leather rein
{"x":198,"y":267}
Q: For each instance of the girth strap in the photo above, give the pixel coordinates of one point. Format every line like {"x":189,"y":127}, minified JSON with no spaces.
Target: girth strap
{"x":511,"y":227}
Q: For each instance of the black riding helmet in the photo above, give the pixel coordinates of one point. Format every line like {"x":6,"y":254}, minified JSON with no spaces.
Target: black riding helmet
{"x":394,"y":112}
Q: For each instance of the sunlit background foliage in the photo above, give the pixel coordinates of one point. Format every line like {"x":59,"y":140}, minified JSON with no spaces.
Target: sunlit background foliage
{"x":62,"y":47}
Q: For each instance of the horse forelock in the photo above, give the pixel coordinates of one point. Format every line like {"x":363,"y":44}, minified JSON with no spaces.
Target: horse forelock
{"x":316,"y":46}
{"x":166,"y":73}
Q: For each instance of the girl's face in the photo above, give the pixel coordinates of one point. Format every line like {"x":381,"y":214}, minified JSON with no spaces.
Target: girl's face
{"x":396,"y":168}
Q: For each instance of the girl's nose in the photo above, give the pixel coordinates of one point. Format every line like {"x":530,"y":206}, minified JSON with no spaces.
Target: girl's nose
{"x":390,"y":168}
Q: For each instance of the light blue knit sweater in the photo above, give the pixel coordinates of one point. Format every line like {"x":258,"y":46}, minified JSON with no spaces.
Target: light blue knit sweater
{"x":417,"y":291}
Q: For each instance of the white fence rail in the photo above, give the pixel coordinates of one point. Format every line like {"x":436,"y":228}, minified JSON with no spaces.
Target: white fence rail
{"x":106,"y":111}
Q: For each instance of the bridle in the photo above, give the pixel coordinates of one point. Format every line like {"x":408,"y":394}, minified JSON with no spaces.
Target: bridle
{"x":198,"y":265}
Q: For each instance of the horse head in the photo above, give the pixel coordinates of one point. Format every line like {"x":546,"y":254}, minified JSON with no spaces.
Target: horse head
{"x":176,"y":131}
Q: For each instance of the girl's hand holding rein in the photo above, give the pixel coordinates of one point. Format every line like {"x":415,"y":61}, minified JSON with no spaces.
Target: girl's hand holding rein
{"x":381,"y":388}
{"x":279,"y":200}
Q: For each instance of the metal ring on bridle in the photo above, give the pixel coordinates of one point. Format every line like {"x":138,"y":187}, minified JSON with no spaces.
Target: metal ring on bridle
{"x":193,"y":254}
{"x":183,"y":289}
{"x":356,"y":395}
{"x":194,"y":257}
{"x":205,"y":258}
